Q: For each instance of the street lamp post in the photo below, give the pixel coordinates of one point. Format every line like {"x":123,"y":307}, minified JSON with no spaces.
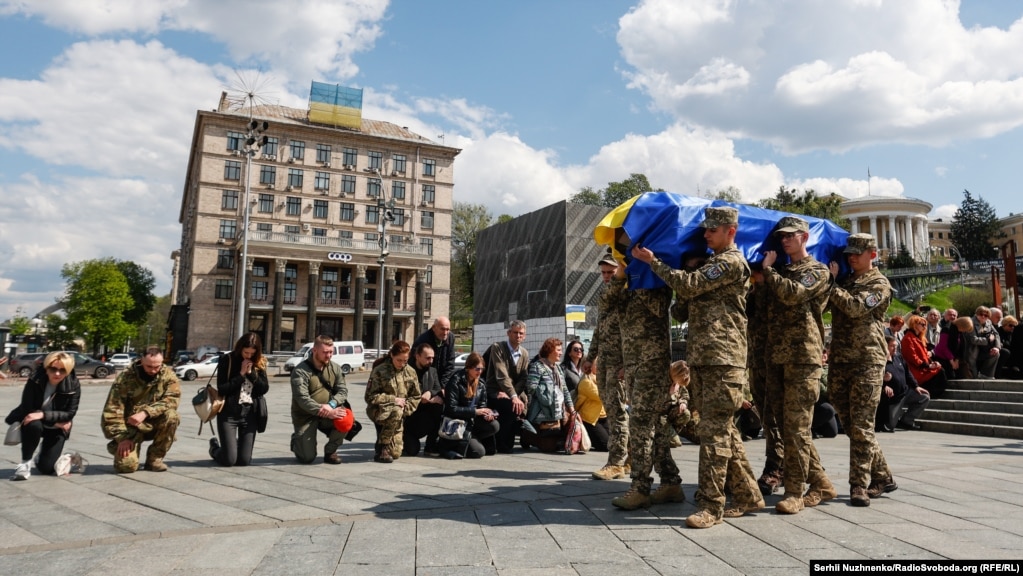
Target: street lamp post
{"x":253,"y":143}
{"x":962,"y":281}
{"x":385,"y":215}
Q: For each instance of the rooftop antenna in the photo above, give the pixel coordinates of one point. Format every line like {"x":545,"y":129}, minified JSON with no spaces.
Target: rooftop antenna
{"x":441,"y":137}
{"x":868,"y":180}
{"x":249,"y":90}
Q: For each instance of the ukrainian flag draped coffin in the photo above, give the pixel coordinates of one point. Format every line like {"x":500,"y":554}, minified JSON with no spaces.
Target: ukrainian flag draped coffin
{"x":669,"y":225}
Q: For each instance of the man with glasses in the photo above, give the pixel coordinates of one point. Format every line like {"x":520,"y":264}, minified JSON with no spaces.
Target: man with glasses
{"x":425,"y":421}
{"x":607,"y":344}
{"x":506,"y":365}
{"x":799,"y":292}
{"x":442,"y":341}
{"x":142,"y":406}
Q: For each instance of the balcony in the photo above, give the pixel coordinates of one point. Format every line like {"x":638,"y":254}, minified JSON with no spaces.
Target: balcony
{"x":365,"y":246}
{"x":327,"y":304}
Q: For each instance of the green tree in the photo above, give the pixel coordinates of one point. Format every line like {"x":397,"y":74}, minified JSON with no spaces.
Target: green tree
{"x":730,"y":194}
{"x":140,"y":287}
{"x":19,"y":324}
{"x":153,"y":329}
{"x":96,"y":298}
{"x":974,"y":226}
{"x":808,"y":204}
{"x":467,"y":221}
{"x":505,"y":218}
{"x":57,"y":339}
{"x":615,"y":194}
{"x":901,"y":259}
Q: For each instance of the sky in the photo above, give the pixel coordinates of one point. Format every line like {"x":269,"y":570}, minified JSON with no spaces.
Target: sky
{"x":98,"y":101}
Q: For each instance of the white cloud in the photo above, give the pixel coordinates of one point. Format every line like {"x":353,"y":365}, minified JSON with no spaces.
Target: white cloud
{"x":941,"y":171}
{"x":300,"y":40}
{"x":945,"y":212}
{"x":891,"y":72}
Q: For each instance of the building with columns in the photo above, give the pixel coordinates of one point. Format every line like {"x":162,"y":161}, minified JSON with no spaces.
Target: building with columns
{"x":893,"y":221}
{"x":317,"y":197}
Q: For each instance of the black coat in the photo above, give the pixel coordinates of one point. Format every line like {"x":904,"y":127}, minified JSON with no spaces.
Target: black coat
{"x":443,"y":353}
{"x":456,"y":405}
{"x":62,"y":408}
{"x":230,"y":380}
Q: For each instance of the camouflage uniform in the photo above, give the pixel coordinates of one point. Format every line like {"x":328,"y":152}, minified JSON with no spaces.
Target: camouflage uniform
{"x":857,"y":359}
{"x":716,"y":354}
{"x":311,"y":388}
{"x":607,"y":344}
{"x":131,"y":394}
{"x":795,"y":349}
{"x":756,"y":362}
{"x":385,"y":384}
{"x":646,"y":351}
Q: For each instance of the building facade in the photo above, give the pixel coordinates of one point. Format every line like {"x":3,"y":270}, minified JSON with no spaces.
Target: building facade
{"x":894,"y":222}
{"x":532,"y":268}
{"x":349,"y":231}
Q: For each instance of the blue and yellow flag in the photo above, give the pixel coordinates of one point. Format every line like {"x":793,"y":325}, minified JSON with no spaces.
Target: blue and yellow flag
{"x":669,"y":225}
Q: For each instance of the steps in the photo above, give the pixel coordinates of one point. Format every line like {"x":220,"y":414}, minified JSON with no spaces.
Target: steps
{"x":978,"y":408}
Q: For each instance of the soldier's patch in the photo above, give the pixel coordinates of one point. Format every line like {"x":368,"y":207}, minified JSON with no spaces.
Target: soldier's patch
{"x":873,"y":299}
{"x":810,"y":278}
{"x":716,"y":271}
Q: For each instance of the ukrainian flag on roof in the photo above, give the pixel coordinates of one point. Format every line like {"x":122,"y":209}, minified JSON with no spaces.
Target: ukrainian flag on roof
{"x":335,"y":105}
{"x":669,"y":225}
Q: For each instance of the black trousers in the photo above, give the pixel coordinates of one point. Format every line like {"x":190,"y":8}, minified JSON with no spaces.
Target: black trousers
{"x":52,"y":440}
{"x":481,"y":437}
{"x":508,"y":420}
{"x":425,"y":421}
{"x":599,"y":434}
{"x":237,"y":437}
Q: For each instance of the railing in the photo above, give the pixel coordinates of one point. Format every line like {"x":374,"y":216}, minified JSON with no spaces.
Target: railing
{"x":342,"y":243}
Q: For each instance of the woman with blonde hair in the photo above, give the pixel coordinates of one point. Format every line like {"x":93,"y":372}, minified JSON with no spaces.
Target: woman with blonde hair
{"x":927,"y":371}
{"x":49,"y":402}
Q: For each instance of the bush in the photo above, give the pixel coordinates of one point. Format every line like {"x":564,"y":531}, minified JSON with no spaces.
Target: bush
{"x":968,"y":301}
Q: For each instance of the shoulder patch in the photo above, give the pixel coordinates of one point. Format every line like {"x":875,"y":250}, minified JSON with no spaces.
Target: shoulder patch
{"x":873,"y":299}
{"x":716,"y":271}
{"x":810,"y":278}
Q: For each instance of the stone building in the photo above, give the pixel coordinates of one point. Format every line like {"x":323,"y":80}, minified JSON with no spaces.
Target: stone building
{"x":325,"y":205}
{"x":893,"y":221}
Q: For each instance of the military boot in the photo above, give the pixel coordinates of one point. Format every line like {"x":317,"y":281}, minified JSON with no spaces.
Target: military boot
{"x":740,"y":510}
{"x":609,"y":472}
{"x":667,"y":493}
{"x":156,"y":465}
{"x":791,"y":504}
{"x":821,"y":490}
{"x":881,"y":486}
{"x":702,"y":519}
{"x":859,"y":497}
{"x":632,"y":500}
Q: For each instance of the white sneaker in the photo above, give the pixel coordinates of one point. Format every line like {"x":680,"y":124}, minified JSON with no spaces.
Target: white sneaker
{"x":23,"y":471}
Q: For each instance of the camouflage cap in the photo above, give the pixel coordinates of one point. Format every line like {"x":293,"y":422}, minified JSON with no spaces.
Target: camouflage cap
{"x":859,"y":243}
{"x":719,"y":216}
{"x":792,"y":224}
{"x":607,"y":259}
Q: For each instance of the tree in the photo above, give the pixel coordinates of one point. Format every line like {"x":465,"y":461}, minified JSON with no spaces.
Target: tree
{"x":19,"y":324}
{"x":505,"y":218}
{"x":140,"y":287}
{"x":902,"y":259}
{"x":467,"y":221}
{"x":808,"y":204}
{"x":153,"y":329}
{"x":57,"y":339}
{"x":615,"y":194}
{"x":974,"y":225}
{"x":96,"y":298}
{"x":730,"y":194}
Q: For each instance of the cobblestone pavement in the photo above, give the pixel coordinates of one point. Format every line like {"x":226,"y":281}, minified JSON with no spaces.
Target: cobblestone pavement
{"x":959,"y":497}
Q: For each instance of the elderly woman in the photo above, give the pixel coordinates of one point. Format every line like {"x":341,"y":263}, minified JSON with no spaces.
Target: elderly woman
{"x":49,"y":403}
{"x":550,"y":403}
{"x":951,"y":350}
{"x":927,"y":371}
{"x":242,"y":383}
{"x":572,"y":366}
{"x":465,"y":398}
{"x":392,"y":394}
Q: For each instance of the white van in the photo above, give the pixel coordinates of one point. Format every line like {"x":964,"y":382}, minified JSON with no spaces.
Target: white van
{"x":348,"y":355}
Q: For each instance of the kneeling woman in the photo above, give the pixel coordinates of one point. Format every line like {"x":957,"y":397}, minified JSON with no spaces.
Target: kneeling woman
{"x":550,"y":403}
{"x":242,"y":383}
{"x":465,"y":398}
{"x":392,"y":394}
{"x":49,"y":403}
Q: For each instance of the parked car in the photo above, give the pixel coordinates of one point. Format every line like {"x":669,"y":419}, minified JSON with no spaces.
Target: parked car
{"x":460,"y":361}
{"x":121,"y":360}
{"x":85,"y":365}
{"x":348,"y":355}
{"x":25,"y":364}
{"x":201,"y":369}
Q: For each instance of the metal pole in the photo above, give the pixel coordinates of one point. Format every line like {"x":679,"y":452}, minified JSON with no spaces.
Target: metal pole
{"x":245,"y":250}
{"x":380,"y":310}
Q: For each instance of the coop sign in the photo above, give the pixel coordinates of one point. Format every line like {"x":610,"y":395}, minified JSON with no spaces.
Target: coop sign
{"x":339,"y":256}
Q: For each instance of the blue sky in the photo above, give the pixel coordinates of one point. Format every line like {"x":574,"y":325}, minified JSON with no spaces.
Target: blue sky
{"x":97,"y":101}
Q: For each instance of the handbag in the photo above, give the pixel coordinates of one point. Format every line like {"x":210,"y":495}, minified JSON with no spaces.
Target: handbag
{"x":207,"y":401}
{"x":13,"y":437}
{"x":574,"y":435}
{"x":262,"y":414}
{"x":454,"y":428}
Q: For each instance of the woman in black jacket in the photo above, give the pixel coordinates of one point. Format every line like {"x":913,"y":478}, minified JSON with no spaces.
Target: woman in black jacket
{"x":465,"y":398}
{"x":242,"y":383}
{"x":49,"y":403}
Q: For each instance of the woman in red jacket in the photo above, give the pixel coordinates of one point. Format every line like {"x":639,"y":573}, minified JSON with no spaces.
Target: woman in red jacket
{"x":926,"y":370}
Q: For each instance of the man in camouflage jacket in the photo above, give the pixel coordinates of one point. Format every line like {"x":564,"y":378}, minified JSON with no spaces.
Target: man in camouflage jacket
{"x":716,"y":355}
{"x":318,"y":396}
{"x":795,"y":348}
{"x":142,"y":406}
{"x":858,"y":356}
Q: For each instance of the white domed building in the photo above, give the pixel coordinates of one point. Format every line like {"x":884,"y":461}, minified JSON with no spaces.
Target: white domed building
{"x":893,"y":221}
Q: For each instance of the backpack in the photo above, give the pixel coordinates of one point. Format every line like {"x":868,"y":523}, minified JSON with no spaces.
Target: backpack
{"x":207,"y":401}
